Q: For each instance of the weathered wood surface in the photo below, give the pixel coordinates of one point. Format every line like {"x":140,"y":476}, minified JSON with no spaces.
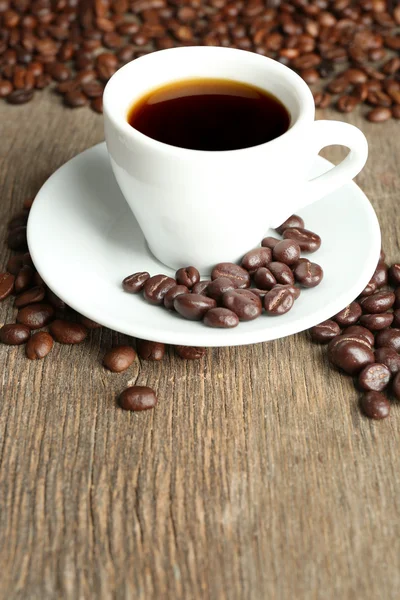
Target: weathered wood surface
{"x":256,"y":476}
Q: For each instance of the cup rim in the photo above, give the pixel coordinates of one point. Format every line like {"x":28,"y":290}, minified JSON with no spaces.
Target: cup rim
{"x":119,"y":121}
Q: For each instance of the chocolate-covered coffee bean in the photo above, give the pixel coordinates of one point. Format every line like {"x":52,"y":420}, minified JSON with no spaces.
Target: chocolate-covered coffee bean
{"x":156,"y":287}
{"x":380,"y":276}
{"x":173,"y":293}
{"x":388,"y":357}
{"x":187,"y":276}
{"x":264,"y":279}
{"x":396,"y":386}
{"x":238,"y":275}
{"x":378,"y":321}
{"x":374,"y":377}
{"x":253,"y":260}
{"x":358,"y":332}
{"x":220,"y":317}
{"x":379,"y":302}
{"x":350,"y":355}
{"x":270,"y":242}
{"x":324,"y":332}
{"x":394,"y":274}
{"x":292,"y":221}
{"x":219,"y":286}
{"x":282,"y":273}
{"x":308,"y":274}
{"x":375,"y":405}
{"x":307,"y":240}
{"x":193,"y":306}
{"x":287,"y":252}
{"x":296,"y":291}
{"x":349,"y":315}
{"x":134,"y":283}
{"x":278,"y":301}
{"x":246,"y":305}
{"x":201,"y":287}
{"x":396,"y":318}
{"x":388,"y":338}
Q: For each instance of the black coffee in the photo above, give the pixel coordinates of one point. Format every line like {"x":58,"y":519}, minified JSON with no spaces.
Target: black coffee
{"x":210,"y":114}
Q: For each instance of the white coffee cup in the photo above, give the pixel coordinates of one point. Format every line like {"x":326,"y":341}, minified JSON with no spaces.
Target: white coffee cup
{"x":203,"y":207}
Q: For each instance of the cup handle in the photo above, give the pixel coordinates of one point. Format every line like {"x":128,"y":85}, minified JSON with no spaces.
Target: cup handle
{"x":328,"y":133}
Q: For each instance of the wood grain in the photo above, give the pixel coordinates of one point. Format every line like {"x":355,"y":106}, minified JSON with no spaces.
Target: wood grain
{"x":256,"y":476}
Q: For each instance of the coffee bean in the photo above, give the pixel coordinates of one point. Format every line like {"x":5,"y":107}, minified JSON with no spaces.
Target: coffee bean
{"x":360,"y":333}
{"x":5,"y":88}
{"x":394,"y":274}
{"x":35,"y":294}
{"x":14,"y":335}
{"x":287,"y":252}
{"x":258,"y":292}
{"x":324,"y":332}
{"x":148,"y":350}
{"x":190,"y":352}
{"x":54,"y":300}
{"x":239,"y":276}
{"x":264,"y":279}
{"x":193,"y":306}
{"x":379,"y":115}
{"x":75,"y":99}
{"x":6,"y":285}
{"x":88,"y":323}
{"x":292,"y":221}
{"x":14,"y":264}
{"x":322,"y":99}
{"x":380,"y":276}
{"x":347,"y":104}
{"x":201,"y":287}
{"x":218,"y":287}
{"x":255,"y":259}
{"x":187,"y":276}
{"x":135,"y":283}
{"x":173,"y":293}
{"x":16,"y":239}
{"x":97,"y":105}
{"x":246,"y":305}
{"x":396,"y":318}
{"x":295,"y":291}
{"x":388,"y":357}
{"x":376,"y":322}
{"x":20,"y":220}
{"x":349,"y":315}
{"x":278,"y":301}
{"x":221,"y":317}
{"x":24,"y":279}
{"x":66,"y":332}
{"x":270,"y":242}
{"x":396,"y":111}
{"x":39,"y":345}
{"x":379,"y":302}
{"x":281,"y":272}
{"x":350,"y":355}
{"x":307,"y":240}
{"x":396,"y":386}
{"x":156,"y":287}
{"x":20,"y":96}
{"x":374,"y":377}
{"x":119,"y":359}
{"x":308,"y":274}
{"x":388,"y":338}
{"x":35,"y":316}
{"x":397,"y":297}
{"x":137,"y":397}
{"x":375,"y":405}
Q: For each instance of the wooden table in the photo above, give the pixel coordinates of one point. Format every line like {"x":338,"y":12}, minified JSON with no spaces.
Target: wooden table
{"x":255,"y":478}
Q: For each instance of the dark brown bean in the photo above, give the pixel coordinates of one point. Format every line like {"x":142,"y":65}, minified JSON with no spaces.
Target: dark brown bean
{"x":35,"y":316}
{"x":193,"y":306}
{"x":24,"y":279}
{"x":375,"y":405}
{"x":35,"y":294}
{"x":119,"y":359}
{"x":14,"y":264}
{"x":287,"y":252}
{"x":376,"y":322}
{"x":396,"y":318}
{"x":350,"y":355}
{"x":397,"y":297}
{"x":347,"y":104}
{"x":137,"y":398}
{"x":264,"y":279}
{"x":379,"y":302}
{"x":147,"y":350}
{"x":6,"y":285}
{"x":281,"y":272}
{"x":88,"y":323}
{"x":239,"y":276}
{"x":394,"y":274}
{"x":96,"y":104}
{"x":75,"y":99}
{"x":190,"y":352}
{"x":201,"y":287}
{"x":349,"y":315}
{"x":14,"y":335}
{"x":255,"y":259}
{"x":156,"y":287}
{"x":187,"y":276}
{"x":16,"y":239}
{"x":20,"y":96}
{"x":388,"y":338}
{"x":221,"y":318}
{"x":270,"y":242}
{"x":396,"y":386}
{"x":39,"y":345}
{"x":135,"y":283}
{"x":388,"y":357}
{"x":219,"y":286}
{"x":173,"y":293}
{"x":359,"y":332}
{"x":292,"y":221}
{"x":380,"y":276}
{"x":379,"y":115}
{"x":278,"y":301}
{"x":292,"y":289}
{"x":308,"y":274}
{"x":324,"y":332}
{"x":396,"y":111}
{"x":66,"y":332}
{"x":374,"y":377}
{"x":307,"y":240}
{"x":20,"y":220}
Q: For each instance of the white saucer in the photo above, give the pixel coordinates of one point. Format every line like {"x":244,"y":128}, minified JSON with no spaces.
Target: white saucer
{"x":84,"y":240}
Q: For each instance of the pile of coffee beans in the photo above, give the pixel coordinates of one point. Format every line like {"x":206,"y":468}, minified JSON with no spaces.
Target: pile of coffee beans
{"x":346,"y":50}
{"x":265,"y":281}
{"x":363,"y":340}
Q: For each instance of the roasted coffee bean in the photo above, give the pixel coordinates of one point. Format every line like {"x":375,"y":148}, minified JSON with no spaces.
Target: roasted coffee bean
{"x":239,"y":276}
{"x":88,"y":323}
{"x":190,"y":352}
{"x":255,"y":259}
{"x":379,"y":115}
{"x":187,"y":276}
{"x":264,"y":279}
{"x":137,"y":397}
{"x":246,"y":305}
{"x":375,"y":405}
{"x":27,"y":260}
{"x":97,"y":105}
{"x":292,"y":221}
{"x":347,"y":104}
{"x":396,"y":318}
{"x":7,"y":281}
{"x":322,"y":99}
{"x":35,"y":316}
{"x":156,"y":287}
{"x":16,"y":239}
{"x":75,"y":99}
{"x":376,"y":322}
{"x":388,"y":338}
{"x":308,"y":274}
{"x":20,"y":220}
{"x":324,"y":332}
{"x":350,"y":355}
{"x":380,"y":276}
{"x":394,"y":274}
{"x":35,"y":294}
{"x":24,"y":279}
{"x":193,"y":306}
{"x":349,"y":315}
{"x":39,"y":345}
{"x":287,"y":252}
{"x":14,"y":335}
{"x":173,"y":293}
{"x":307,"y":240}
{"x":379,"y":302}
{"x":278,"y":301}
{"x":66,"y":332}
{"x":374,"y":377}
{"x":396,"y":111}
{"x":396,"y":386}
{"x":135,"y":283}
{"x":119,"y":359}
{"x":14,"y":264}
{"x":397,"y":297}
{"x":270,"y":242}
{"x":388,"y":357}
{"x":359,"y":332}
{"x":218,"y":287}
{"x":147,"y":350}
{"x":281,"y":272}
{"x":201,"y":287}
{"x":20,"y":97}
{"x":221,"y":317}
